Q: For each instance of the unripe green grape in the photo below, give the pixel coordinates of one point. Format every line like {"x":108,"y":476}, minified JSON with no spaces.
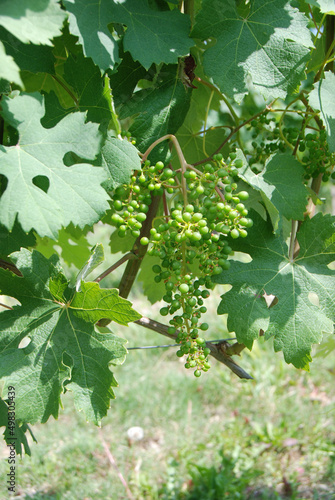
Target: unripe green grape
{"x":143,"y":208}
{"x":156,"y":269}
{"x":200,"y":189}
{"x":183,"y":288}
{"x":197,"y":373}
{"x":243,"y":195}
{"x":243,"y":233}
{"x":233,"y":214}
{"x":204,"y":326}
{"x":117,"y":204}
{"x":196,"y":236}
{"x":164,"y":311}
{"x":207,"y":351}
{"x":159,"y":166}
{"x":116,"y":218}
{"x":141,"y":216}
{"x":189,"y":208}
{"x":238,"y":163}
{"x":144,"y":241}
{"x":234,"y":233}
{"x":187,"y":217}
{"x":180,"y":353}
{"x":240,"y":207}
{"x":167,"y":173}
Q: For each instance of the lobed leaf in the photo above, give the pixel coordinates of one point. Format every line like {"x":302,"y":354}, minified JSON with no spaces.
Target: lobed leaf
{"x":42,"y":192}
{"x":306,"y":305}
{"x":271,"y":50}
{"x":63,"y":351}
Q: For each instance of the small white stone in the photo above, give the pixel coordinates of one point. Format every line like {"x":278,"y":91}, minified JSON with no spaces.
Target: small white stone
{"x":135,"y":433}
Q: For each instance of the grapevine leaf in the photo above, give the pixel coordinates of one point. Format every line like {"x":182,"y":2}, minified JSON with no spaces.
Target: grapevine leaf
{"x":322,"y":98}
{"x":96,"y":258}
{"x":147,"y":38}
{"x":33,"y":58}
{"x":75,"y":249}
{"x":325,"y":6}
{"x":123,"y":82}
{"x":295,"y":322}
{"x":281,"y":186}
{"x":93,"y":303}
{"x":90,"y":92}
{"x":41,"y":190}
{"x":195,"y":147}
{"x":119,"y":158}
{"x":16,"y":434}
{"x":10,"y":241}
{"x":152,"y":290}
{"x":272,"y":50}
{"x":35,"y":21}
{"x":64,"y":349}
{"x":9,"y":70}
{"x":156,"y":112}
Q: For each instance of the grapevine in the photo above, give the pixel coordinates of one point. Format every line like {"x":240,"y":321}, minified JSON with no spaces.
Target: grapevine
{"x":174,"y":132}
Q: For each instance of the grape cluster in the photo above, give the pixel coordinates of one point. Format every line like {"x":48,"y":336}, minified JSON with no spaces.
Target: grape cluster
{"x":317,"y":158}
{"x":190,"y":239}
{"x":266,"y":137}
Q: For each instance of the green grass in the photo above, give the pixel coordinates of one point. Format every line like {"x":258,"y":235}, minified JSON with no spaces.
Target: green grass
{"x":210,"y":438}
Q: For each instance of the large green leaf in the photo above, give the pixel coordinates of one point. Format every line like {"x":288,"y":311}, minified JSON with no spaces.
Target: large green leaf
{"x":281,"y":186}
{"x":89,"y":90}
{"x":190,"y":135}
{"x":29,"y":57}
{"x":322,"y":98}
{"x":65,"y":351}
{"x":151,"y":37}
{"x":157,"y":111}
{"x":269,"y":44}
{"x":41,"y":190}
{"x":35,"y":21}
{"x":304,"y":288}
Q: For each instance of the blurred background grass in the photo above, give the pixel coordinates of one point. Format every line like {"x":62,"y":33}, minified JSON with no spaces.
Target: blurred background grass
{"x":203,"y":439}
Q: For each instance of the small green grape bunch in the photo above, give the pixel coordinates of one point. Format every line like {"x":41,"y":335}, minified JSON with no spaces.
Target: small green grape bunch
{"x":155,"y":178}
{"x":188,"y":301}
{"x":131,"y":201}
{"x":130,"y":208}
{"x":127,"y":135}
{"x":316,"y":156}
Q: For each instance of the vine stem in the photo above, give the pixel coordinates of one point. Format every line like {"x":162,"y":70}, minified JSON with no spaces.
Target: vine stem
{"x":218,"y":351}
{"x":127,"y":256}
{"x":4,"y":305}
{"x":182,"y":161}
